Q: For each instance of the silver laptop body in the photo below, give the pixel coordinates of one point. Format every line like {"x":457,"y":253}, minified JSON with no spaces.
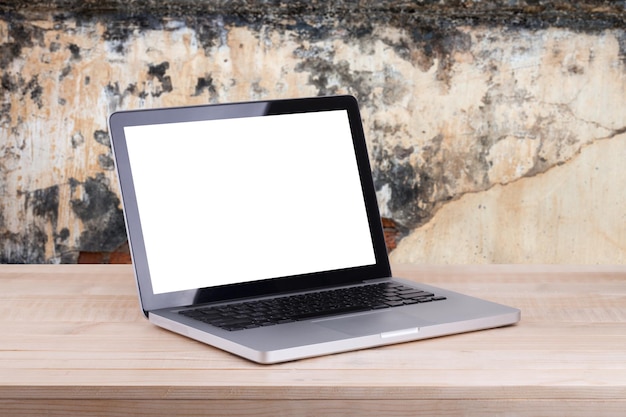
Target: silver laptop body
{"x":244,"y":204}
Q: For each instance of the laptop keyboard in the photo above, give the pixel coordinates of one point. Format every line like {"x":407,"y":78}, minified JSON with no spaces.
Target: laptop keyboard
{"x":287,"y":309}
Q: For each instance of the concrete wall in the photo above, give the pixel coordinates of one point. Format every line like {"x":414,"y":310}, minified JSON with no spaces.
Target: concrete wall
{"x":496,"y":129}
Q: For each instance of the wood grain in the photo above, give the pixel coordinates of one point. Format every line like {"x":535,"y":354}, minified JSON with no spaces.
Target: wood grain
{"x":75,"y":341}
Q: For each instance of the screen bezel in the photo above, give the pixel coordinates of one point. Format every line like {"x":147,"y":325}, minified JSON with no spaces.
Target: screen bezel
{"x":149,"y":300}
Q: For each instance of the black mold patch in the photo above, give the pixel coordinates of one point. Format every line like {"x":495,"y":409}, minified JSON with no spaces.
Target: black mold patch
{"x":158,"y":72}
{"x":63,"y":234}
{"x":310,"y":15}
{"x":116,"y":96}
{"x":28,"y":247}
{"x":121,"y":27}
{"x":35,"y":90}
{"x":65,"y":72}
{"x":45,"y":203}
{"x":117,"y":31}
{"x":313,"y":28}
{"x":77,"y":140}
{"x":105,"y":160}
{"x":206,"y":84}
{"x":435,"y":44}
{"x":5,"y":114}
{"x":621,"y":38}
{"x":208,"y":29}
{"x":411,"y":192}
{"x":329,"y":77}
{"x":14,"y":84}
{"x":415,"y":191}
{"x":99,"y":210}
{"x":102,"y":137}
{"x":75,"y":51}
{"x":65,"y":254}
{"x":8,"y":52}
{"x":21,"y":35}
{"x":10,"y":84}
{"x":447,"y":40}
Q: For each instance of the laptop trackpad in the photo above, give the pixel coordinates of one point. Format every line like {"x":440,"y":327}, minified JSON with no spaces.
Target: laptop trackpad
{"x":373,"y":323}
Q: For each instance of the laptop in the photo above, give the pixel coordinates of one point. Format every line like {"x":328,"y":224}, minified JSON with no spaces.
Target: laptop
{"x":254,"y":228}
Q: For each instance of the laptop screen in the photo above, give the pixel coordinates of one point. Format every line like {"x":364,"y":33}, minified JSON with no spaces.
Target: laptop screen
{"x":235,"y":200}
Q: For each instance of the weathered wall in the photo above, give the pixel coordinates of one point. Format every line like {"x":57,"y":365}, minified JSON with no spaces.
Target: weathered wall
{"x":497,"y":130}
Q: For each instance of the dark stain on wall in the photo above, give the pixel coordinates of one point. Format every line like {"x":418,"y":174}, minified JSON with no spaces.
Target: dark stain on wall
{"x":116,"y":95}
{"x":35,"y":91}
{"x":431,"y":22}
{"x":20,"y":34}
{"x":23,"y":248}
{"x":105,"y":160}
{"x":65,"y":72}
{"x":583,"y":14}
{"x":45,"y":204}
{"x":29,"y":246}
{"x":206,"y":84}
{"x":75,"y":51}
{"x":321,"y":69}
{"x":30,"y":89}
{"x":432,"y":25}
{"x":158,"y":72}
{"x":207,"y":29}
{"x":102,"y":138}
{"x":100,"y":212}
{"x":98,"y":208}
{"x":121,"y":25}
{"x":438,"y":44}
{"x":412,"y":192}
{"x":77,"y":140}
{"x":622,"y":46}
{"x":67,"y":254}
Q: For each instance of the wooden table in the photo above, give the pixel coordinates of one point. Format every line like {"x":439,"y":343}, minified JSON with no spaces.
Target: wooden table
{"x":72,"y":340}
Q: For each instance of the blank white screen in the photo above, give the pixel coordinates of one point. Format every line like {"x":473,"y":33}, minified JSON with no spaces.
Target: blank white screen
{"x":236,"y":200}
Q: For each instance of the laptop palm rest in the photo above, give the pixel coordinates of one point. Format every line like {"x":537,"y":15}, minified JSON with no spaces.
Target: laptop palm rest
{"x":387,"y":322}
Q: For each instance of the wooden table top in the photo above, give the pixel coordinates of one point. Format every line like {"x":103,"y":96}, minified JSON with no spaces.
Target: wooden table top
{"x":73,"y":340}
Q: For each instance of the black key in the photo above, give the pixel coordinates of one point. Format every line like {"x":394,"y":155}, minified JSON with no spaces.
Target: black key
{"x":235,"y":328}
{"x":416,"y":293}
{"x":409,"y":291}
{"x":231,"y":322}
{"x":192,"y":313}
{"x":413,"y":294}
{"x":315,"y":314}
